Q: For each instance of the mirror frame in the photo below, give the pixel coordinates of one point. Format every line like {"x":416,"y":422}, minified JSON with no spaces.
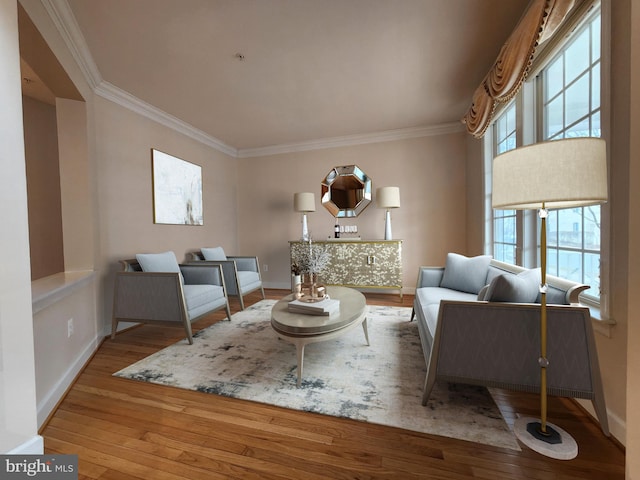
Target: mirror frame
{"x":341,"y":172}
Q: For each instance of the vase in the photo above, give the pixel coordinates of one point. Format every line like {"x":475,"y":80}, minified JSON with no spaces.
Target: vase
{"x":309,"y":289}
{"x":295,"y":281}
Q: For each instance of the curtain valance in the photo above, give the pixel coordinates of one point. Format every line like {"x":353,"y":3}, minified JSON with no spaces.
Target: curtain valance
{"x":510,"y":69}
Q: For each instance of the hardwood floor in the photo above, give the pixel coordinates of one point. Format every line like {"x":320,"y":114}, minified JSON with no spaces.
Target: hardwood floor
{"x":123,"y":430}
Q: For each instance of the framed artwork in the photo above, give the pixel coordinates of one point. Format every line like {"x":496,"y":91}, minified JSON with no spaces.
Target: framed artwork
{"x":177,"y":190}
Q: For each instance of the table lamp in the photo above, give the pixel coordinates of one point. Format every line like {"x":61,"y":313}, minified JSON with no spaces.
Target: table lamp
{"x":304,"y":202}
{"x":388,"y":197}
{"x":555,"y":174}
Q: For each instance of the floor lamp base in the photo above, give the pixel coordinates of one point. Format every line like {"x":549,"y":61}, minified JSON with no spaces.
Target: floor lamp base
{"x":557,"y":444}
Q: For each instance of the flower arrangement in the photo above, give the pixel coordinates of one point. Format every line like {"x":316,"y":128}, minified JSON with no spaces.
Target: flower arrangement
{"x":313,"y":259}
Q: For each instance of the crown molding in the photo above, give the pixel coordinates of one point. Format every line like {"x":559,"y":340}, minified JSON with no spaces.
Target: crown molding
{"x":350,"y":140}
{"x":63,"y":19}
{"x":65,"y":22}
{"x":117,"y":95}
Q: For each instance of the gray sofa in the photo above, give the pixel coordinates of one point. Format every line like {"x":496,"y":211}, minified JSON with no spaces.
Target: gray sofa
{"x":479,"y":323}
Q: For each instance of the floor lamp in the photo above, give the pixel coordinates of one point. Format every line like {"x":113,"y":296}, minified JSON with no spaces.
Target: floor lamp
{"x":304,"y":202}
{"x":550,"y":175}
{"x":388,"y":197}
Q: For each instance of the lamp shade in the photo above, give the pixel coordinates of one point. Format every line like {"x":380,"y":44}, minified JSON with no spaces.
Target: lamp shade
{"x":304,"y":202}
{"x":388,"y":197}
{"x":559,"y":173}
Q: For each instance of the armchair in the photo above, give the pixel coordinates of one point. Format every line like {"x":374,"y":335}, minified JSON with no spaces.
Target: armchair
{"x":241,"y":273}
{"x":154,"y":289}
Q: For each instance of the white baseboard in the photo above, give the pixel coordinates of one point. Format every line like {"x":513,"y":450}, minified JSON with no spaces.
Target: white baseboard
{"x":617,"y":426}
{"x":51,"y":398}
{"x":33,"y":446}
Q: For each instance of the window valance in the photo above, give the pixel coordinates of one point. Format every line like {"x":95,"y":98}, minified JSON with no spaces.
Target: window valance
{"x":510,"y":69}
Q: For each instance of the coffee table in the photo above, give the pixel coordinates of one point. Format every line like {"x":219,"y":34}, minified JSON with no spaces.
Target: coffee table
{"x":301,"y":329}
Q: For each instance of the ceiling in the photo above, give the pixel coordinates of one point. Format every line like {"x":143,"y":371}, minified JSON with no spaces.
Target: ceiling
{"x":259,"y":73}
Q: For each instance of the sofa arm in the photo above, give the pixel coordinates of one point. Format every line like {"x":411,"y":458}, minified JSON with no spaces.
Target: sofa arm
{"x":430,"y":276}
{"x":498,"y":345}
{"x":202,"y":274}
{"x":245,"y":263}
{"x":151,"y":296}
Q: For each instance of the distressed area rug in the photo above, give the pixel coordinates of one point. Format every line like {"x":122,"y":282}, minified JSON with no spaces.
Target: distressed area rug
{"x":381,"y":383}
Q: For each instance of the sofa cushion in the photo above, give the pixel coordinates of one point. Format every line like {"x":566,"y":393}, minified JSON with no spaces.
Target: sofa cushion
{"x":159,"y":262}
{"x":201,"y":299}
{"x":248,"y":280}
{"x":466,"y":274}
{"x":520,"y":288}
{"x":433,"y":295}
{"x":213,"y":254}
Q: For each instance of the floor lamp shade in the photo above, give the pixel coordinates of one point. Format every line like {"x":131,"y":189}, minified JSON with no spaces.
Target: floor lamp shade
{"x":556,"y":174}
{"x":559,"y":174}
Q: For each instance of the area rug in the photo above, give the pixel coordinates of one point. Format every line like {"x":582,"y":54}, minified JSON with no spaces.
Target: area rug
{"x":381,"y":383}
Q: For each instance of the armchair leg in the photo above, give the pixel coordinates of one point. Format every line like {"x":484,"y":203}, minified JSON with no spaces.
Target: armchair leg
{"x":188,"y":331}
{"x":241,"y":301}
{"x":228,"y":311}
{"x":262,"y":291}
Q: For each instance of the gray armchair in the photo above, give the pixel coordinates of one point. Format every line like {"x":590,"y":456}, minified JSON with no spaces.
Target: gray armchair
{"x":178,"y":296}
{"x":241,"y":273}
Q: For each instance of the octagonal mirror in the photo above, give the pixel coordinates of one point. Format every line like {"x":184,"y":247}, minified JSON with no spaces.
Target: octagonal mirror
{"x":346,"y":191}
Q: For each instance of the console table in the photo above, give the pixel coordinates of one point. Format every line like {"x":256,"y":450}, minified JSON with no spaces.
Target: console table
{"x":360,"y":263}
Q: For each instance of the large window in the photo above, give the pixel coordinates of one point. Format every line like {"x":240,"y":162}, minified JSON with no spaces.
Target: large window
{"x":570,"y":87}
{"x":505,"y":235}
{"x":562,"y":101}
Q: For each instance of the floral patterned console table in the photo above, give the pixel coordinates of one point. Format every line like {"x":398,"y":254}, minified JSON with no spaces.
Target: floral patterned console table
{"x":359,"y":263}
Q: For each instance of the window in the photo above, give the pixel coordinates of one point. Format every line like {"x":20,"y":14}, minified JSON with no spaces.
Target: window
{"x":562,"y":101}
{"x":505,"y":235}
{"x":570,"y":87}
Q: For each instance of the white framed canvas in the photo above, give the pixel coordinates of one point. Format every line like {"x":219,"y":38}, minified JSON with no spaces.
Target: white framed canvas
{"x":177,"y":190}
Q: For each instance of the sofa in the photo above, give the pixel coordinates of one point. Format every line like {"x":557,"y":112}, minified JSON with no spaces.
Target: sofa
{"x":479,"y":323}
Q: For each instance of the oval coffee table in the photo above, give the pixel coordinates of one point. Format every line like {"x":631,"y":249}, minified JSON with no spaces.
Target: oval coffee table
{"x":302,"y":329}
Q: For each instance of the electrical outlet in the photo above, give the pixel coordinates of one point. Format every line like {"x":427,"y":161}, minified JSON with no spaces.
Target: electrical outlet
{"x":69,"y":327}
{"x":265,"y":268}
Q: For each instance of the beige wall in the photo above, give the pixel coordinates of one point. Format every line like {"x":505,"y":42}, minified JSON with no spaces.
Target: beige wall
{"x":43,"y":188}
{"x":124,"y":140}
{"x":430,"y":172}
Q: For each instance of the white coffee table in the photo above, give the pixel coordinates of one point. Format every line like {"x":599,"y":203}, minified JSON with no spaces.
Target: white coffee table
{"x":301,"y":329}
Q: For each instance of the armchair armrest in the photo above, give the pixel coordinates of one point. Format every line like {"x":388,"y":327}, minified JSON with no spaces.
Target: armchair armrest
{"x":202,"y":273}
{"x":149,"y":296}
{"x":245,"y":263}
{"x":430,"y":276}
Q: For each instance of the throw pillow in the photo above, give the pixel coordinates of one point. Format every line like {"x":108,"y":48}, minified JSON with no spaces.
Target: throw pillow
{"x":483,"y":292}
{"x":465,"y":274}
{"x":521,"y":288}
{"x":216,"y":253}
{"x":159,"y":262}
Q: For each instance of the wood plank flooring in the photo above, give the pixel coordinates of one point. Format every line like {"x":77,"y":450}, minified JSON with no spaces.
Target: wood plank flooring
{"x":124,"y":430}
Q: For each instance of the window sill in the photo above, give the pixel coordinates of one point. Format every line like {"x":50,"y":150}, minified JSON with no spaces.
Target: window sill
{"x":600,"y":324}
{"x":50,"y":290}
